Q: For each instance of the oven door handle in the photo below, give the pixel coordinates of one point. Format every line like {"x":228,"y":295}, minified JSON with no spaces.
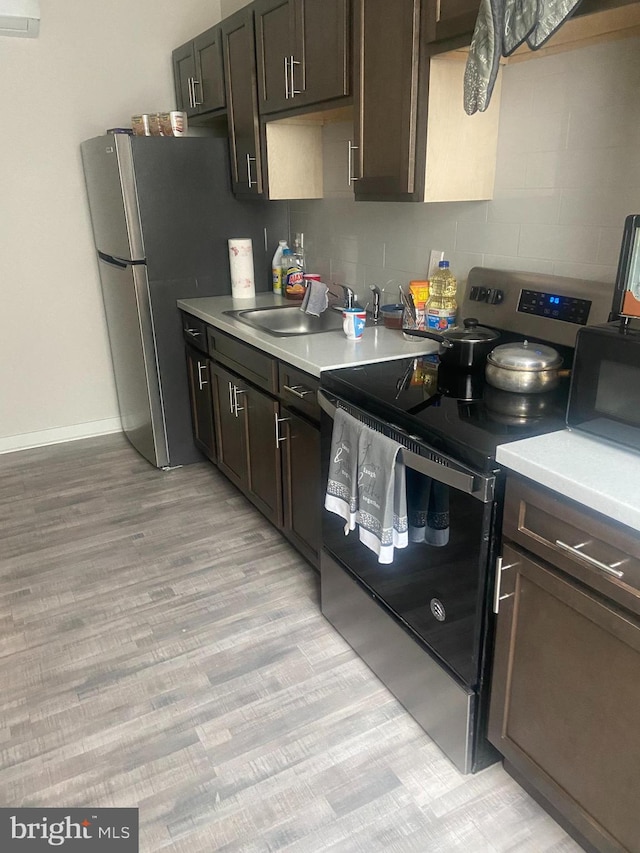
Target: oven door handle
{"x":478,"y":486}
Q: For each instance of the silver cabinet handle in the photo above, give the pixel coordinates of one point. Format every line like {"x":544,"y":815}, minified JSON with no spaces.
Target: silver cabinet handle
{"x":286,"y":78}
{"x":194,"y":83}
{"x":293,"y":91}
{"x":250,"y":181}
{"x":192,"y":96}
{"x":231,"y":387}
{"x":201,"y":382}
{"x":236,"y":407}
{"x":575,"y":551}
{"x":350,"y":176}
{"x":193,"y":332}
{"x":279,"y":438}
{"x":295,"y":389}
{"x":497,"y":598}
{"x":438,"y":11}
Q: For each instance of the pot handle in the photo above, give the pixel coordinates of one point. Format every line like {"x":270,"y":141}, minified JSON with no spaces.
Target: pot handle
{"x":433,"y":336}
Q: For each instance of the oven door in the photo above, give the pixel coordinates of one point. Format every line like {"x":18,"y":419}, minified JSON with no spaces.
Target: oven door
{"x":438,"y":594}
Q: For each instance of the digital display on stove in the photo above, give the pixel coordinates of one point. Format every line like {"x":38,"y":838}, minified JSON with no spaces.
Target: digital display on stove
{"x":555,"y":307}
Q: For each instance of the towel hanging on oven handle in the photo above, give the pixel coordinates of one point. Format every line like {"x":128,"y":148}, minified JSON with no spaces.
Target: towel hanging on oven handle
{"x":478,"y":485}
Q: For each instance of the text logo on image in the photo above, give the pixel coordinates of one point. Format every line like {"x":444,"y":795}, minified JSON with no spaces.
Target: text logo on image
{"x":32,"y":830}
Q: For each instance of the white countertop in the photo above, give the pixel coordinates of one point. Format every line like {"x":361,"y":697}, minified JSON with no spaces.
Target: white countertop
{"x":596,"y":474}
{"x":311,"y":353}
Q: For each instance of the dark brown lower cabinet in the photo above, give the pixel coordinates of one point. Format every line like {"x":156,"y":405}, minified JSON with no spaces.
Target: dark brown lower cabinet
{"x":200,"y":395}
{"x":246,"y":436}
{"x":301,"y":486}
{"x":264,"y":477}
{"x":565,"y":699}
{"x":265,"y":417}
{"x":230,"y":433}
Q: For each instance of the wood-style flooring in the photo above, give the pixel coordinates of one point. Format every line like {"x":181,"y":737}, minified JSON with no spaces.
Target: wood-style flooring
{"x":162,"y":646}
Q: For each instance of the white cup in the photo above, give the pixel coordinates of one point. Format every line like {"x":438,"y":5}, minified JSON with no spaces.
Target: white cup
{"x":353,"y":322}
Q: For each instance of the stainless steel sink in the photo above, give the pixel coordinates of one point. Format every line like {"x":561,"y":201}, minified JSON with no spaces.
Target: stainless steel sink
{"x":283,"y":321}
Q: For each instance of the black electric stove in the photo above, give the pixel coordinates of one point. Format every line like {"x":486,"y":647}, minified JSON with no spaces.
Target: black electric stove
{"x":456,"y":411}
{"x":424,"y":622}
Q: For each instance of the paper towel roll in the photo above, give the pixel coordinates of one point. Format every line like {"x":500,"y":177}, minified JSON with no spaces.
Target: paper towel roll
{"x":241,"y":267}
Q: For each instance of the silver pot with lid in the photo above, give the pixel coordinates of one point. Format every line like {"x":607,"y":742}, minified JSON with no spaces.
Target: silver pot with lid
{"x":524,"y":367}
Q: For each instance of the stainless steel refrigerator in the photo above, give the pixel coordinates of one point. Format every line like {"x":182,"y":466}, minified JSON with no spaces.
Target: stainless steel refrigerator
{"x":162,"y":211}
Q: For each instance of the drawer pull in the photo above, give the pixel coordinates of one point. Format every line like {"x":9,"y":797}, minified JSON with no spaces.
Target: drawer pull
{"x":295,"y":389}
{"x":576,"y":552}
{"x":193,"y":332}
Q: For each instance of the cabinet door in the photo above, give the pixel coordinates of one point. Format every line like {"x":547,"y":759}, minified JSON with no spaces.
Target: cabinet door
{"x":201,"y":402}
{"x":242,"y":103}
{"x":565,"y":698}
{"x":264,"y":478}
{"x":302,"y":487}
{"x":452,"y":18}
{"x":208,"y":86}
{"x":229,"y":422}
{"x":390,"y":94}
{"x":275,"y":45}
{"x":324,"y":37}
{"x":184,"y":69}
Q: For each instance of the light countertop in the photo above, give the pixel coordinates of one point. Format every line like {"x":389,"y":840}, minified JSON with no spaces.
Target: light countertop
{"x":596,"y":474}
{"x":311,"y":353}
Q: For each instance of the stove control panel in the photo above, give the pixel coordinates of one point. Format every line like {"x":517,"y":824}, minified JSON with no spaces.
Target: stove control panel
{"x":490,"y":295}
{"x":556,"y":307}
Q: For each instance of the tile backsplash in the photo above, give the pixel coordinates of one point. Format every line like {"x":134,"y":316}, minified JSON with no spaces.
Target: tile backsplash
{"x":568,"y":173}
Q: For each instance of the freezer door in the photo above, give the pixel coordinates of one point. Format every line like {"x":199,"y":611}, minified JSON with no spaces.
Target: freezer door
{"x":113,"y":201}
{"x":126,"y":301}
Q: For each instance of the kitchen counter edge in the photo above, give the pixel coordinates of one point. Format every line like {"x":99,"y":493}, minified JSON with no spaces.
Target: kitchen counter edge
{"x":593,"y":473}
{"x":311,"y":353}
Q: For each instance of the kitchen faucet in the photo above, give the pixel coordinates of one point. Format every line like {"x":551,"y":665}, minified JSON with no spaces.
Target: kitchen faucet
{"x":348,"y":295}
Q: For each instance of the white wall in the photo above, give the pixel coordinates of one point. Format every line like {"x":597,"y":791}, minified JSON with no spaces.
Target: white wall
{"x":568,"y":173}
{"x":92,"y":67}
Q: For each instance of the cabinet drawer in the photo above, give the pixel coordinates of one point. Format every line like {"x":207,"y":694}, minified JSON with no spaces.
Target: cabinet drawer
{"x":299,"y":390}
{"x":258,"y":367}
{"x":194,"y":331}
{"x":564,"y":700}
{"x":599,"y":552}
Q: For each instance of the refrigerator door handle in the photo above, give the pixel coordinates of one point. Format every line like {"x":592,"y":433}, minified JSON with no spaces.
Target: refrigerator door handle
{"x":118,"y":262}
{"x":114,"y":262}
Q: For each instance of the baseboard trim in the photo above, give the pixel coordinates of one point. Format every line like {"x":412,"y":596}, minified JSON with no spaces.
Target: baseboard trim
{"x":11,"y":443}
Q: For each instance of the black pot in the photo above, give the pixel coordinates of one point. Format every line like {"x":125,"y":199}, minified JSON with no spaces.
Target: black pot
{"x":465,"y":346}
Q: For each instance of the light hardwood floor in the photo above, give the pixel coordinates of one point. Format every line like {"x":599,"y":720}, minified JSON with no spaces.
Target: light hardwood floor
{"x":161,"y":646}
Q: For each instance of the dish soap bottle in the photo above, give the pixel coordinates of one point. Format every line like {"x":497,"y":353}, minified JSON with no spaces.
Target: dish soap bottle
{"x":292,"y":274}
{"x":276,"y":267}
{"x":441,"y":307}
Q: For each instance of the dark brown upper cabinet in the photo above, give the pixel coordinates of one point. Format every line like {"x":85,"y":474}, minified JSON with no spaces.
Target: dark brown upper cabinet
{"x":413,"y":140}
{"x":198,"y":74}
{"x":238,"y":48}
{"x":303,"y":52}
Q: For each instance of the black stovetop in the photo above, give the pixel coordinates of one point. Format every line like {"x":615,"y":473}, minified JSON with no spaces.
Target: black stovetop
{"x":453,"y":411}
